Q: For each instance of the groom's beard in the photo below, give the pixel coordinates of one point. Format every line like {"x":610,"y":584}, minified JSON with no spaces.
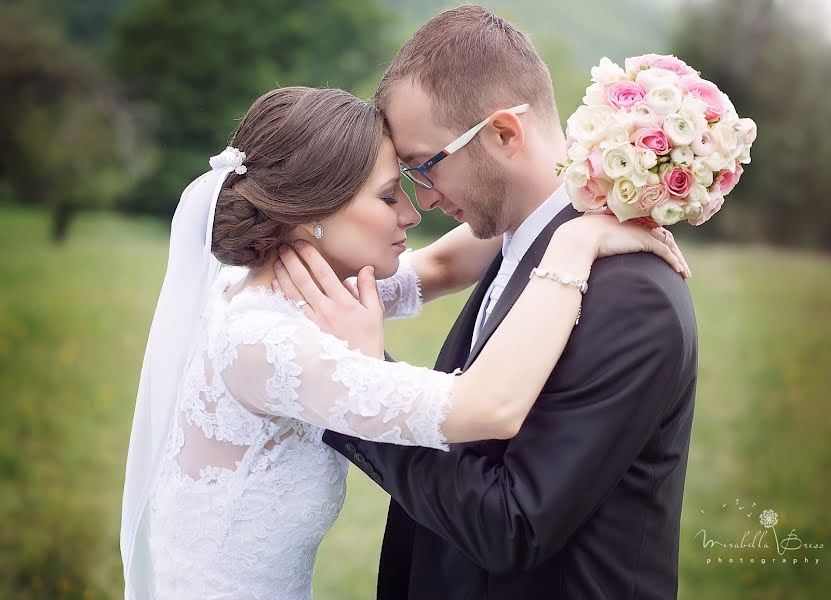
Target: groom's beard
{"x":487,"y":199}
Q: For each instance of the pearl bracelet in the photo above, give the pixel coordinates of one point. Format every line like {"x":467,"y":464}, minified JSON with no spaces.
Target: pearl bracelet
{"x":580,"y":284}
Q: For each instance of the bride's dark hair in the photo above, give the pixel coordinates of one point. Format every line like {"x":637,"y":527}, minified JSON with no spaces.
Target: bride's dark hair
{"x":308,"y":153}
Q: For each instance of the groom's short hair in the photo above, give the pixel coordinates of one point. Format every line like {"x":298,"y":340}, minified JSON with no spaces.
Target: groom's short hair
{"x":471,"y":62}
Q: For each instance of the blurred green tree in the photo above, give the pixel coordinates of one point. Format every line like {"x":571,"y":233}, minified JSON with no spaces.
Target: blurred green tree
{"x":69,"y":143}
{"x":776,"y":68}
{"x":197,"y":66}
{"x":84,"y":22}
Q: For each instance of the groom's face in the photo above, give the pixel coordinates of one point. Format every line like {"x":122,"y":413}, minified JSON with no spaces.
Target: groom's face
{"x":469,"y":185}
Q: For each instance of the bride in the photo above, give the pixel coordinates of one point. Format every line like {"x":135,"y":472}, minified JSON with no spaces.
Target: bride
{"x":229,"y":489}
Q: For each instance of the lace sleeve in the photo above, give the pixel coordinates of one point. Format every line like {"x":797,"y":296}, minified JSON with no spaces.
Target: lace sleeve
{"x":401,"y":293}
{"x":285,"y":365}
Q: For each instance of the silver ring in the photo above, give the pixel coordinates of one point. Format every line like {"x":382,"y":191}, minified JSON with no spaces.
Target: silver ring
{"x":301,"y":304}
{"x":666,"y":235}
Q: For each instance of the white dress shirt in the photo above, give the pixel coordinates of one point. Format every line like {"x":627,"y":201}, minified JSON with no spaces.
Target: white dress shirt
{"x":514,"y":248}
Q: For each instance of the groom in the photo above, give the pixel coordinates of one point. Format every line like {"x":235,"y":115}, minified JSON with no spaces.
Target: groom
{"x":585,"y":501}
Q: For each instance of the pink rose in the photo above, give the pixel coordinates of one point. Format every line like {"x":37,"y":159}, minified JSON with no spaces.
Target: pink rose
{"x":715,"y":204}
{"x":709,"y":93}
{"x":659,"y":61}
{"x":651,"y":138}
{"x":678,"y":181}
{"x":653,"y":195}
{"x":593,"y":195}
{"x":727,"y":180}
{"x":596,"y":170}
{"x":624,"y":94}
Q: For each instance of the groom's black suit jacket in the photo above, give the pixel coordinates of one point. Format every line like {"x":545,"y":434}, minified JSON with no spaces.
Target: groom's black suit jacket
{"x":585,"y":501}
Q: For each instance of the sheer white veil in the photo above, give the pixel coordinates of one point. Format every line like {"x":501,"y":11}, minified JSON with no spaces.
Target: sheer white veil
{"x":191,"y":270}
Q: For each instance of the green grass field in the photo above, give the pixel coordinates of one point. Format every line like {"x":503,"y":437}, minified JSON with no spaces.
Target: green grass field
{"x":74,"y":321}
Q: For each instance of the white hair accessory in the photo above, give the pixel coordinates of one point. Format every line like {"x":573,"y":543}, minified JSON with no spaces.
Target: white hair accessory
{"x":230,"y":158}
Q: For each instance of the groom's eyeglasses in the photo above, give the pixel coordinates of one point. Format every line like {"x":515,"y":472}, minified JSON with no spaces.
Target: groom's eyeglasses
{"x":418,"y":175}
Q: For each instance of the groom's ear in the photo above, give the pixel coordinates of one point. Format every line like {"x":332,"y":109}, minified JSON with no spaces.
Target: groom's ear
{"x":507,"y":133}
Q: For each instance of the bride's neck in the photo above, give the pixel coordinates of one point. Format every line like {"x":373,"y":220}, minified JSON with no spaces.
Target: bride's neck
{"x":261,"y":276}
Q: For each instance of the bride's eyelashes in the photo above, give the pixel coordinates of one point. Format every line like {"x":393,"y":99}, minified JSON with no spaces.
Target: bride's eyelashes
{"x":389,"y":198}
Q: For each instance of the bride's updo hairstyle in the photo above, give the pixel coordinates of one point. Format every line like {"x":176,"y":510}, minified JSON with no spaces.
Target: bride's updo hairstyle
{"x":308,"y":153}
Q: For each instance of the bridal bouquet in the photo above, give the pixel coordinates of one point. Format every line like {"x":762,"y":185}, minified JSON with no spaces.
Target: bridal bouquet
{"x":654,"y":142}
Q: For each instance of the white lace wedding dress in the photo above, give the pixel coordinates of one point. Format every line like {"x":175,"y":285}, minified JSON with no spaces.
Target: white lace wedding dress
{"x":248,"y":490}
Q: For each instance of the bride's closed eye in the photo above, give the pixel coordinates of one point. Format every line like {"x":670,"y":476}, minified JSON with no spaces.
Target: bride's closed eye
{"x":389,"y":197}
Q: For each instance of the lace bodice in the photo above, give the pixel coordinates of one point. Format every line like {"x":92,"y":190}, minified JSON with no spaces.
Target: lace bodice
{"x":248,"y":490}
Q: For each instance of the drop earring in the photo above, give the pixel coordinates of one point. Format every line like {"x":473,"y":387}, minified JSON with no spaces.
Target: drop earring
{"x":318,"y":231}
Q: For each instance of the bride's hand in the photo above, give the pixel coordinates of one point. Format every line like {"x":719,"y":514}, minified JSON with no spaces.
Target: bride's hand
{"x":354,"y":315}
{"x":602,"y":235}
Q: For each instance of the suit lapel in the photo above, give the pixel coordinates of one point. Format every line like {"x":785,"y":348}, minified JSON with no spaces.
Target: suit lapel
{"x":519,"y":279}
{"x":457,"y":345}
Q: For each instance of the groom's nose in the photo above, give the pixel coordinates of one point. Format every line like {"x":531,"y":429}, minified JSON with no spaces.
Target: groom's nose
{"x":427,"y":199}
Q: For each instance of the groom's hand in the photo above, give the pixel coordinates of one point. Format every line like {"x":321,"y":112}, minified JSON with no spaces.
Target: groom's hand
{"x":349,"y":313}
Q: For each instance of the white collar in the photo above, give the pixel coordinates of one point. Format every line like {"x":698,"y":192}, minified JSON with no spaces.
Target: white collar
{"x":515,"y":246}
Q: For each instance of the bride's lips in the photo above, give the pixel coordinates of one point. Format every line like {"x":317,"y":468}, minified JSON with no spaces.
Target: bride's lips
{"x":401,"y":244}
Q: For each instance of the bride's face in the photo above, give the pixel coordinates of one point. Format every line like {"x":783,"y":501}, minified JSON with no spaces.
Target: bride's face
{"x":370,"y":229}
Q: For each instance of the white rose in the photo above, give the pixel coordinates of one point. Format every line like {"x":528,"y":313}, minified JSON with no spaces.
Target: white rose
{"x":664,"y":99}
{"x":588,"y":124}
{"x":693,"y":210}
{"x":744,"y":155}
{"x":746,"y":130}
{"x":615,"y":135}
{"x":607,"y":72}
{"x":653,"y":178}
{"x":578,"y":152}
{"x":682,"y":156}
{"x":640,"y":174}
{"x":648,"y":159}
{"x":699,"y":195}
{"x":652,"y":78}
{"x":727,"y":140}
{"x":679,"y":130}
{"x":729,"y":108}
{"x":692,"y":106}
{"x":693,"y":109}
{"x":642,"y":115}
{"x":577,"y":174}
{"x":702,"y":173}
{"x":668,"y":213}
{"x":619,"y":161}
{"x":704,"y":143}
{"x":595,"y":95}
{"x":715,"y":162}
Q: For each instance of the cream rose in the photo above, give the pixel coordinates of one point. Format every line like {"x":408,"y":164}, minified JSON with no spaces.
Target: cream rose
{"x":623,"y":200}
{"x":668,"y":213}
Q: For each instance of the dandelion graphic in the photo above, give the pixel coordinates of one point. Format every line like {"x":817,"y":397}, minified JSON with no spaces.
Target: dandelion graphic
{"x":768,"y":519}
